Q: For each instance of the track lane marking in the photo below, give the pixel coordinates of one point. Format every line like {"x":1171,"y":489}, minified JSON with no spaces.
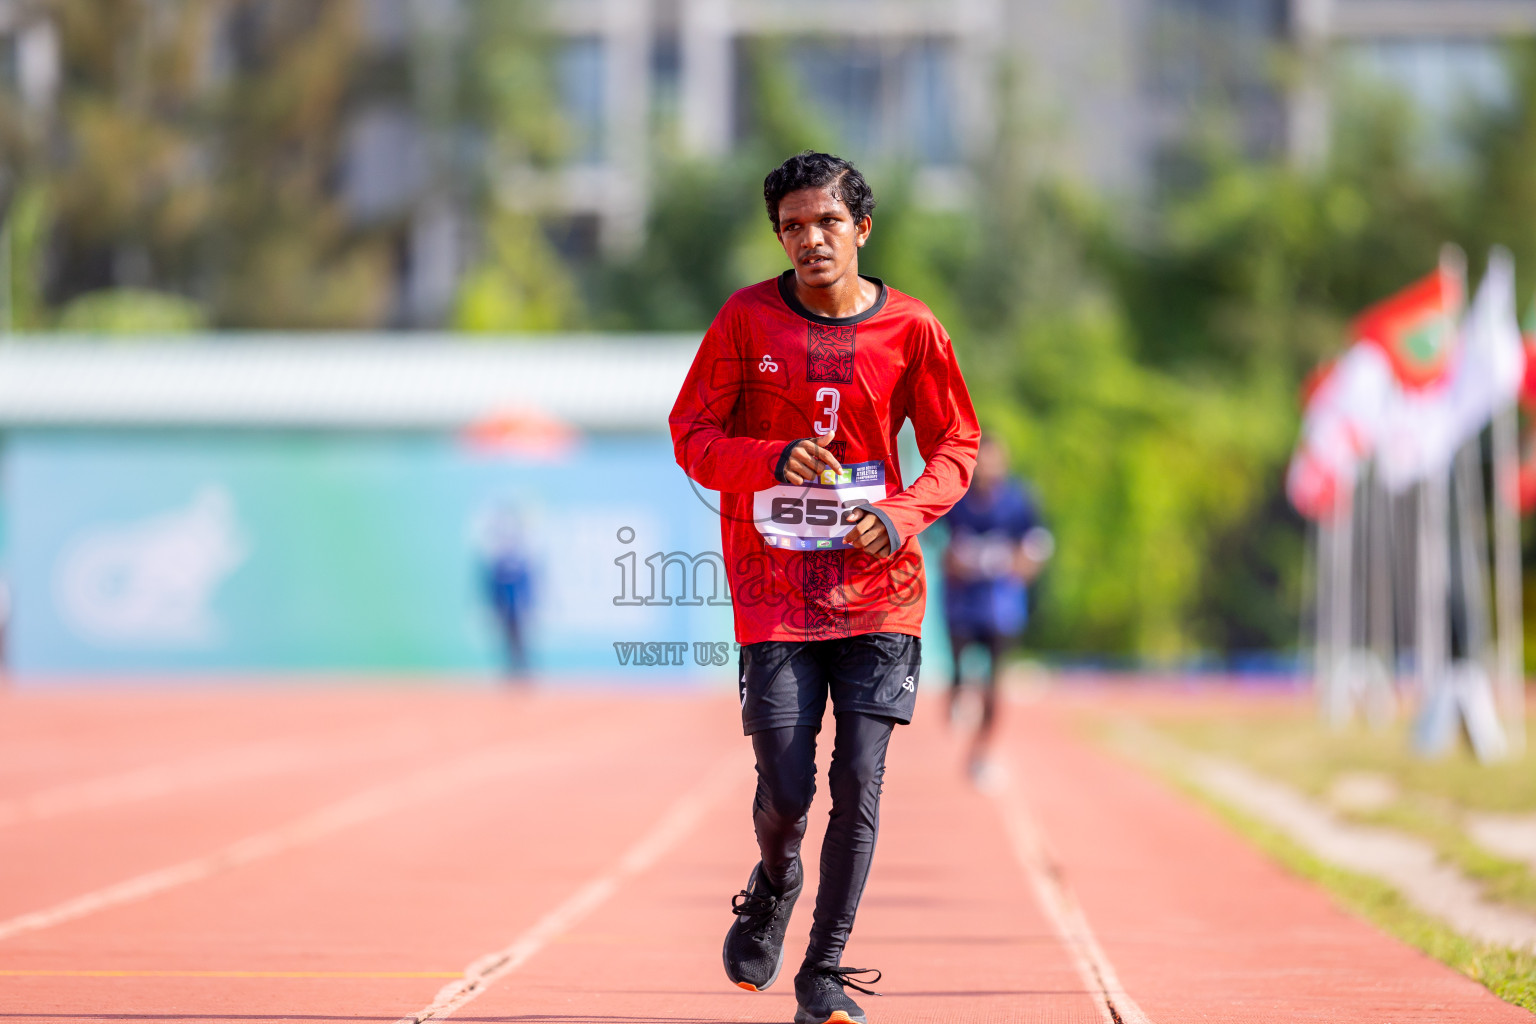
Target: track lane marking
{"x":363,"y":806}
{"x":109,"y":973}
{"x":674,"y":825}
{"x":1043,"y":870}
{"x":202,"y":771}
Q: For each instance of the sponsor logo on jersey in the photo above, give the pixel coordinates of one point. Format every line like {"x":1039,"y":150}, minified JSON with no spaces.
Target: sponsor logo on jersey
{"x":768,"y":365}
{"x":832,"y":478}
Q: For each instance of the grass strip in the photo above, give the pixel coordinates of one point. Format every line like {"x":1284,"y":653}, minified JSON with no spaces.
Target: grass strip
{"x":1499,"y":878}
{"x":1311,"y":756}
{"x":1433,"y":795}
{"x":1508,"y":973}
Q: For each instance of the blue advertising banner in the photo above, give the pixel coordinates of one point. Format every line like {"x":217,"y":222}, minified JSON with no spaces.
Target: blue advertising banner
{"x":146,"y":552}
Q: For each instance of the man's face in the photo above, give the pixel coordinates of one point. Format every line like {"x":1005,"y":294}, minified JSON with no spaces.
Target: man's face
{"x":820,"y":236}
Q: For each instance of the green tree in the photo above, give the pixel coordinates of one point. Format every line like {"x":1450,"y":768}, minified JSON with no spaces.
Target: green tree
{"x":1500,"y":206}
{"x":282,"y":250}
{"x":113,"y":183}
{"x":193,"y":151}
{"x":520,"y":282}
{"x":520,"y":285}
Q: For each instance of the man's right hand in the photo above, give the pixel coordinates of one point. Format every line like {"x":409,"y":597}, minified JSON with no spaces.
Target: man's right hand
{"x":808,"y":458}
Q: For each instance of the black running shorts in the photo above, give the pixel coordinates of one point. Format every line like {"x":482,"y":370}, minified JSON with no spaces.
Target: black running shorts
{"x":786,"y":682}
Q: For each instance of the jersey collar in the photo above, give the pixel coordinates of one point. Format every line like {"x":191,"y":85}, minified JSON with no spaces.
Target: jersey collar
{"x":787,"y":293}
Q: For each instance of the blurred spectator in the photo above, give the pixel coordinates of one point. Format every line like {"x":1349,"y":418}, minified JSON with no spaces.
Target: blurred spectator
{"x":508,"y":579}
{"x":997,"y":546}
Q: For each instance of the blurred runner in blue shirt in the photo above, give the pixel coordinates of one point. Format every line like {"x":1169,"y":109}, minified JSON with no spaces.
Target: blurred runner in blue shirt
{"x":997,"y":546}
{"x":507,"y":576}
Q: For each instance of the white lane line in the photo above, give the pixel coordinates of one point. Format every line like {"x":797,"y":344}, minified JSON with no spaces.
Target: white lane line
{"x":366,"y":805}
{"x":1064,"y":912}
{"x":202,"y":771}
{"x":675,"y":824}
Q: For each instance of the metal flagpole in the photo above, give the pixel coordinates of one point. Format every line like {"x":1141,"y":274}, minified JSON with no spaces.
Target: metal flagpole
{"x":1405,"y":568}
{"x":1431,"y":597}
{"x":1336,"y":696}
{"x":1322,"y":630}
{"x":1380,"y":698}
{"x":1472,"y":549}
{"x":1308,"y":634}
{"x":1434,"y":556}
{"x":1470,"y":679}
{"x":1510,"y":653}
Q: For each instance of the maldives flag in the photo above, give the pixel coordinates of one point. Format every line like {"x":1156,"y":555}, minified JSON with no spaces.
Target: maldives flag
{"x":1526,"y":480}
{"x":1528,"y":335}
{"x":1425,"y":427}
{"x":1416,"y":328}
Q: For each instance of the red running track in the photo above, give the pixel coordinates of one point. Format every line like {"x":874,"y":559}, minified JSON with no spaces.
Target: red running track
{"x":294,"y":855}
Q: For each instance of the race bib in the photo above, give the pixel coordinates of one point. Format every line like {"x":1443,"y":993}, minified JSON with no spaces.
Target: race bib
{"x":814,"y":516}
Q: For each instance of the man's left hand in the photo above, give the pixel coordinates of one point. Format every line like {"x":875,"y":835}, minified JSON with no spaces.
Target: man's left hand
{"x":868,"y":534}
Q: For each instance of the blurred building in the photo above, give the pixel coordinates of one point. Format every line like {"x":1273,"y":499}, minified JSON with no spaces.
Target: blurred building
{"x":1109,"y":92}
{"x":1441,"y":54}
{"x":907,"y":80}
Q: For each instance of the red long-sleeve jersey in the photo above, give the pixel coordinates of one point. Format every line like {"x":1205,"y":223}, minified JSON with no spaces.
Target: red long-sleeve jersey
{"x":769,"y":373}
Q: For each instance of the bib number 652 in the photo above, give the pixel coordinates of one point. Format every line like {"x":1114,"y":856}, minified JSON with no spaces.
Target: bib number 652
{"x":791,"y":511}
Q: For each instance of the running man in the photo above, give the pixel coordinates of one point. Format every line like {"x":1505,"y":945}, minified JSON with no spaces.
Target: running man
{"x":790,"y":411}
{"x":997,"y":547}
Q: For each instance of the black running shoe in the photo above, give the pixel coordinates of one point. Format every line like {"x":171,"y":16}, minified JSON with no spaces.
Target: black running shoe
{"x":819,"y":991}
{"x":754,"y":947}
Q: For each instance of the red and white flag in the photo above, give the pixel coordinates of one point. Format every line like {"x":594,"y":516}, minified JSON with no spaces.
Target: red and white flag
{"x":1426,"y":426}
{"x":1400,"y":360}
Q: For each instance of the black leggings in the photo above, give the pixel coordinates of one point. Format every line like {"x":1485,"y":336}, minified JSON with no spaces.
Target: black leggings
{"x":786,"y":781}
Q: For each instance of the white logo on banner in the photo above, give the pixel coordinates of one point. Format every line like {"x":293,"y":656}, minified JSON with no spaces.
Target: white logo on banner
{"x":152,"y":582}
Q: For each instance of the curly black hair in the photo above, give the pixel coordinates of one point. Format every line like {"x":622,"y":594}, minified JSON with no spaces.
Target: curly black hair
{"x":818,"y":170}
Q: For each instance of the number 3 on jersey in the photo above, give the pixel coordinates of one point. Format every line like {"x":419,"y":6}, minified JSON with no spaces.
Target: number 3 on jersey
{"x":828,"y":397}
